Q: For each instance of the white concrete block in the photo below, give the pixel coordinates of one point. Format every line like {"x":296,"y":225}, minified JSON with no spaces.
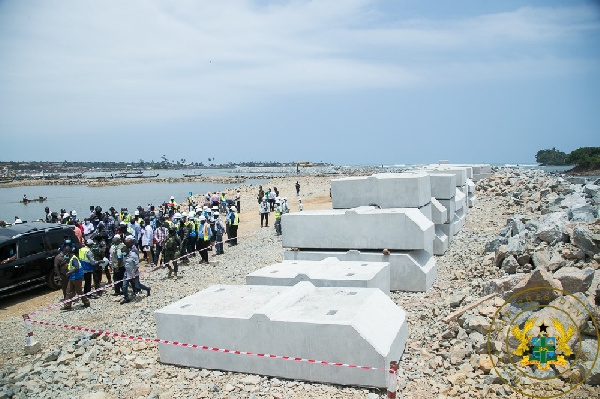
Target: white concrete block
{"x":387,"y":190}
{"x":439,"y":214}
{"x":450,"y":205}
{"x":459,"y":220}
{"x":448,"y":230}
{"x":329,"y":272}
{"x":358,"y":326}
{"x":471,"y":186}
{"x":460,"y":200}
{"x":409,"y":271}
{"x":471,"y":200}
{"x":358,"y":228}
{"x":426,"y":210}
{"x":443,"y":185}
{"x":464,"y":189}
{"x":440,"y":242}
{"x":459,"y":171}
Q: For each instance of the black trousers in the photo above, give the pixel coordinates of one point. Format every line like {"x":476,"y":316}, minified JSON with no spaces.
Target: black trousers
{"x":264,"y":216}
{"x":233,"y":234}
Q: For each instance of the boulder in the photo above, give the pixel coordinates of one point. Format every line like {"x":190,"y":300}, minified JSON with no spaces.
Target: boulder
{"x":575,"y":280}
{"x":591,"y":190}
{"x":540,"y":259}
{"x":572,"y":200}
{"x":510,"y":264}
{"x":552,"y":227}
{"x":582,"y":237}
{"x":582,"y":213}
{"x":495,"y":244}
{"x":540,"y":279}
{"x":503,"y":284}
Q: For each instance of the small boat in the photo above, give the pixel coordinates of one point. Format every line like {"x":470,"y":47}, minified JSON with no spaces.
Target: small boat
{"x":197,"y":175}
{"x":39,"y":199}
{"x":139,"y":176}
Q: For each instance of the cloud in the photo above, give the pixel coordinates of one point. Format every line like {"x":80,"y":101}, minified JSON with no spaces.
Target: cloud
{"x":113,"y":62}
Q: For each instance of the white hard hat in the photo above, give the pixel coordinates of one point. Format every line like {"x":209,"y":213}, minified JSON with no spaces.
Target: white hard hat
{"x":217,"y":214}
{"x":172,"y":197}
{"x":233,"y":208}
{"x":184,"y":215}
{"x":202,"y":218}
{"x":137,"y":213}
{"x":177,"y":215}
{"x":74,"y":212}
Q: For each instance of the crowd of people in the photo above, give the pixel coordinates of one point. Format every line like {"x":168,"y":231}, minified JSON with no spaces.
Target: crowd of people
{"x":113,"y":244}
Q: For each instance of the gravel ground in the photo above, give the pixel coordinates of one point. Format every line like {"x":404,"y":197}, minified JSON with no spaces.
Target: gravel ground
{"x":74,"y":364}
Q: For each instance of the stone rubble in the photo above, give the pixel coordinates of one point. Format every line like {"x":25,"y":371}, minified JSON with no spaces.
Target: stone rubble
{"x":441,"y":359}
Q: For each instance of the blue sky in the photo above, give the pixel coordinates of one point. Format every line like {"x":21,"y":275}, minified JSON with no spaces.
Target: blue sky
{"x":346,"y":82}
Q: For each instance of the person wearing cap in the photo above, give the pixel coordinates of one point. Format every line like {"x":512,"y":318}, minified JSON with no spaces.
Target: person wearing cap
{"x":234,"y":221}
{"x":204,"y":236}
{"x":88,"y":264}
{"x":171,"y":251}
{"x":88,"y":228}
{"x":300,"y":206}
{"x":116,"y":262}
{"x":131,"y":262}
{"x":264,"y":212}
{"x":278,"y":216}
{"x":75,"y":275}
{"x":219,"y":230}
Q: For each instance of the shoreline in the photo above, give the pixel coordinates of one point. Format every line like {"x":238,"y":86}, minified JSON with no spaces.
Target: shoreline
{"x":462,"y":272}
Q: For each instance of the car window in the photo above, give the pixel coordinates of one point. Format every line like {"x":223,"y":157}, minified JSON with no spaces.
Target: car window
{"x":7,"y":251}
{"x":57,"y":238}
{"x":31,"y":245}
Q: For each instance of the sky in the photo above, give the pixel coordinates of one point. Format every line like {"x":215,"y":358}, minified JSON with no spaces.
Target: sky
{"x":348,"y":82}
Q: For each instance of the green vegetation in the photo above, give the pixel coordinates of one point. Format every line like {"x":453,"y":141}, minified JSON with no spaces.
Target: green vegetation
{"x":585,"y":157}
{"x":551,"y":157}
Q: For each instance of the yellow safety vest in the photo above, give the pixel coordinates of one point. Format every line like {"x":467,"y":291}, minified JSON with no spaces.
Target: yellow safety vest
{"x":236,"y":219}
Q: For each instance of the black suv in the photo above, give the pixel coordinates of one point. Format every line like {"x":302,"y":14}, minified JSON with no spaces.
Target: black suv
{"x":27,"y":253}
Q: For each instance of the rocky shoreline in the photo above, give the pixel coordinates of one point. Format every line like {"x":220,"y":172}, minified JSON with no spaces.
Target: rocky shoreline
{"x":507,"y":237}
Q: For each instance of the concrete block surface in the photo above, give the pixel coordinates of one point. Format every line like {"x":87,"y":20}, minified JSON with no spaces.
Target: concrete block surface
{"x":409,"y":270}
{"x":387,"y":190}
{"x":358,"y":326}
{"x":443,"y":185}
{"x":329,"y":272}
{"x":358,"y":228}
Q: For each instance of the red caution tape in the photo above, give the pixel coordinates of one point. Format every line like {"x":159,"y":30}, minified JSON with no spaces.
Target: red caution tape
{"x":202,"y":347}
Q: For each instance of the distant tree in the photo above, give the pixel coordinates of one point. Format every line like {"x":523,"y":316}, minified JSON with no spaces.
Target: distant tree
{"x":585,"y":157}
{"x":551,"y":157}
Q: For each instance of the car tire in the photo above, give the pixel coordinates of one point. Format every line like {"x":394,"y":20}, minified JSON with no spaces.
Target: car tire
{"x":53,"y":280}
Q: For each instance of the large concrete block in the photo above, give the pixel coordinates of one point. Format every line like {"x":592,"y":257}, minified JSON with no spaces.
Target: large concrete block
{"x":427,"y":211}
{"x":471,"y":200}
{"x":357,"y":326}
{"x":450,"y":205}
{"x":329,"y":272}
{"x":471,"y":186}
{"x":409,"y":271}
{"x":439,"y":214}
{"x":387,"y":190}
{"x":443,"y":185}
{"x":461,"y":172}
{"x":460,"y":200}
{"x":441,"y":242}
{"x":359,"y":228}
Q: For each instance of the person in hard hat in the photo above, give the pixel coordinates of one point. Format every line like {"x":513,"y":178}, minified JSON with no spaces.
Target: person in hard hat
{"x":204,"y":236}
{"x":234,"y":221}
{"x":278,"y":216}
